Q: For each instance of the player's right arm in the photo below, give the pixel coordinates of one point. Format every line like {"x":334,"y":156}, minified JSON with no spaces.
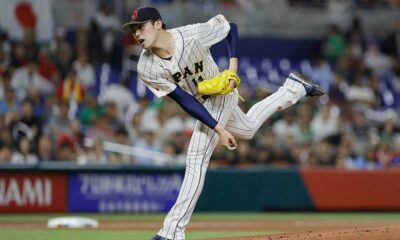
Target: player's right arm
{"x":198,"y":111}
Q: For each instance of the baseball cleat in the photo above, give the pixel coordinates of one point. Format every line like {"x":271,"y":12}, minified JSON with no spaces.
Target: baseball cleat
{"x":158,"y":237}
{"x":311,"y":88}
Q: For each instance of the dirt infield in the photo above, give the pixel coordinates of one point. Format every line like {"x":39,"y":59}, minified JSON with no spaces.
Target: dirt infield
{"x":388,"y":232}
{"x":299,"y":230}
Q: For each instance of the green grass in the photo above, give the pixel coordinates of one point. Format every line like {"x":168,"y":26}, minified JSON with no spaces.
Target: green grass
{"x":214,"y":216}
{"x":62,"y":234}
{"x":102,"y":234}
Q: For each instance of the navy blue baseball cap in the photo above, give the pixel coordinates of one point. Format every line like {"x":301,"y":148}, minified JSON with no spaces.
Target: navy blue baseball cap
{"x":141,"y":15}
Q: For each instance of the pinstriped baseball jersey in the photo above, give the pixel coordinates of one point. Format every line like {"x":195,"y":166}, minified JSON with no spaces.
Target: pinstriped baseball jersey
{"x":191,"y":63}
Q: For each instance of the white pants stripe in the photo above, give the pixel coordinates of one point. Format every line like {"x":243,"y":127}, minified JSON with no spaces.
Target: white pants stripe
{"x":204,"y":140}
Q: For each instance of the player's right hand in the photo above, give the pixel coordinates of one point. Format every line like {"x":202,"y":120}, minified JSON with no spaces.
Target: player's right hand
{"x":226,"y":138}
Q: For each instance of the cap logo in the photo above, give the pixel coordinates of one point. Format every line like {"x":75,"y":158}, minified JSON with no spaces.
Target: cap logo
{"x":134,"y":15}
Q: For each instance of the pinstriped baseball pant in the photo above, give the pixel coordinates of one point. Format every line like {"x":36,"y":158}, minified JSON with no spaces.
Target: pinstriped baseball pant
{"x":225,"y":110}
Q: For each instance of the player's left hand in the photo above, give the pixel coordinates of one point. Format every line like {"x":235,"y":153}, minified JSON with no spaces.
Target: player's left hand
{"x":220,"y":84}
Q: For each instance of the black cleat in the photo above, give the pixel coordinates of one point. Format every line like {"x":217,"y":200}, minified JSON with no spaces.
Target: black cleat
{"x":158,"y":237}
{"x":311,"y":88}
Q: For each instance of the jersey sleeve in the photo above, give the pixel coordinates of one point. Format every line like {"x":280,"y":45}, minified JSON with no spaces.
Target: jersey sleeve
{"x":211,"y":32}
{"x":154,"y":80}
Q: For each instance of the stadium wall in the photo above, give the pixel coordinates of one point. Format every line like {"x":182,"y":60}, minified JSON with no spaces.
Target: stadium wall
{"x":129,"y":189}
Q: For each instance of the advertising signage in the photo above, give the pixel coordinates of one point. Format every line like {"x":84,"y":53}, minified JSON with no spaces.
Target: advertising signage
{"x":144,"y":192}
{"x":33,"y":192}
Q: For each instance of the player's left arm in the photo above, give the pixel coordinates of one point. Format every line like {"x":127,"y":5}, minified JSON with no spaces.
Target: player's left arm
{"x":232,"y":43}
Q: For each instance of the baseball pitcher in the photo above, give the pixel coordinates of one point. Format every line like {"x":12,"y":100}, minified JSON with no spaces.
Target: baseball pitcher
{"x":177,"y":63}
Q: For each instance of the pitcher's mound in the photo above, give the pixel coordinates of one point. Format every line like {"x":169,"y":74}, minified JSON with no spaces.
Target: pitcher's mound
{"x":387,"y":232}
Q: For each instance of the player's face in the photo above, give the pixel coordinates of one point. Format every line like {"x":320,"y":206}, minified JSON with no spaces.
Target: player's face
{"x":146,"y":34}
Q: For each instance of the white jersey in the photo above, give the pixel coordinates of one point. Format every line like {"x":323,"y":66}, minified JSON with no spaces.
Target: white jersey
{"x":191,"y":63}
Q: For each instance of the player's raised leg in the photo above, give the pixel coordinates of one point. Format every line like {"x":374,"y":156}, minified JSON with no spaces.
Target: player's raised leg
{"x":295,"y":87}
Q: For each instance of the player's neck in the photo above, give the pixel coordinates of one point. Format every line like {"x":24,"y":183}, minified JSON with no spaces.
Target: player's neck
{"x":164,"y":46}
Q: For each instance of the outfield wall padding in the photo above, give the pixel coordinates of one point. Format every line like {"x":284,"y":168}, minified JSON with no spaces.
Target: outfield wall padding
{"x":72,"y":188}
{"x":353,"y":190}
{"x":254,"y":190}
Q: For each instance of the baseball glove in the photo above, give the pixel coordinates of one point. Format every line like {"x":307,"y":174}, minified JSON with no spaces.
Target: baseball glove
{"x":220,"y":84}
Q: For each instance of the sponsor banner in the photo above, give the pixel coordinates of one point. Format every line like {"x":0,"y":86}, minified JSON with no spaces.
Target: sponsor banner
{"x":145,"y":192}
{"x":29,"y":192}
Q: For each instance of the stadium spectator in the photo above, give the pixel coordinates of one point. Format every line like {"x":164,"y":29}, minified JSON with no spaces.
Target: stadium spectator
{"x":243,"y":155}
{"x":19,"y":56}
{"x":84,"y":70}
{"x":5,"y":154}
{"x":51,"y":108}
{"x":10,"y":103}
{"x":45,"y":149}
{"x":95,"y":43}
{"x":90,"y":110}
{"x":77,"y":133}
{"x":266,"y":143}
{"x":122,"y":138}
{"x":390,"y":44}
{"x":37,"y":101}
{"x":360,"y":127}
{"x":322,"y":74}
{"x":175,"y":159}
{"x":65,"y":148}
{"x":323,"y":154}
{"x":338,"y":89}
{"x":5,"y":53}
{"x":109,"y":27}
{"x":3,"y":62}
{"x":27,"y":77}
{"x":284,"y":126}
{"x":112,"y":117}
{"x":360,"y":92}
{"x":121,"y":95}
{"x":349,"y":126}
{"x":326,"y":122}
{"x":47,"y":68}
{"x":61,"y":52}
{"x":356,"y":39}
{"x":375,"y":60}
{"x":26,"y":125}
{"x":24,"y":154}
{"x":71,"y":89}
{"x":302,"y":132}
{"x":333,"y":46}
{"x":29,"y":42}
{"x":147,"y":141}
{"x":344,"y":159}
{"x":59,"y":123}
{"x":95,"y":154}
{"x":283,"y":153}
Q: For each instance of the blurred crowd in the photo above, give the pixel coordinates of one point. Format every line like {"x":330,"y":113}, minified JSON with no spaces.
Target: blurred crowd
{"x":359,"y":3}
{"x":51,"y":108}
{"x":353,"y":127}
